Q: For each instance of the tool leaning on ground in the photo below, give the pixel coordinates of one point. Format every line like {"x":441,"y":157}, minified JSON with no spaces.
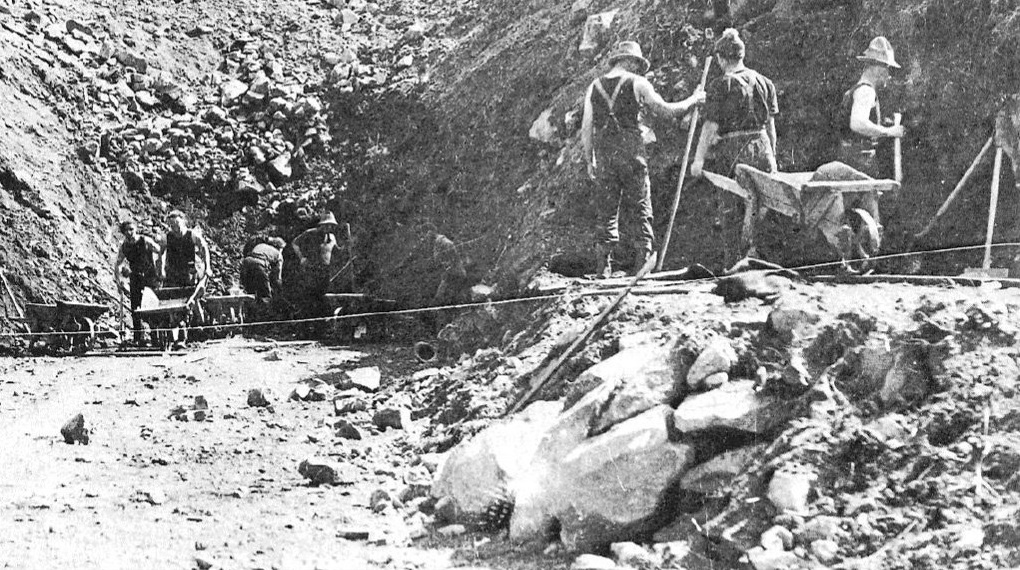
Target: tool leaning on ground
{"x":546,"y":374}
{"x":683,"y":163}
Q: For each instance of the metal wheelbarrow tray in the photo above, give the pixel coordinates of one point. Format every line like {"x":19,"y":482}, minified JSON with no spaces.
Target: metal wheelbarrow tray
{"x":814,"y":204}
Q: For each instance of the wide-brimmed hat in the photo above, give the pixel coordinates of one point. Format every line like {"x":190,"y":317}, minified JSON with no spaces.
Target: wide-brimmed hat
{"x":328,"y":219}
{"x":629,"y":50}
{"x":880,"y":51}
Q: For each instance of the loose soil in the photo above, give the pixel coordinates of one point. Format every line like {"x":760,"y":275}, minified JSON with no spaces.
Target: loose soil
{"x":151,"y":491}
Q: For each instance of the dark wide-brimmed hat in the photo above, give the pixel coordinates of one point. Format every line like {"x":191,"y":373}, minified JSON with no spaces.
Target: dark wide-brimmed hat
{"x":879,"y":51}
{"x":328,"y":219}
{"x":629,"y":50}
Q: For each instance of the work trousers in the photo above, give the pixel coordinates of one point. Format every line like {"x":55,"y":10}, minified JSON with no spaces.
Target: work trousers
{"x":752,"y":148}
{"x":256,"y":279}
{"x":622,"y":175}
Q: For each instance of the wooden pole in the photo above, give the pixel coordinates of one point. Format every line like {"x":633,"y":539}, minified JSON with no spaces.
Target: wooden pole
{"x":683,"y":171}
{"x":959,"y":186}
{"x":897,"y":151}
{"x":993,"y":204}
{"x":546,"y":374}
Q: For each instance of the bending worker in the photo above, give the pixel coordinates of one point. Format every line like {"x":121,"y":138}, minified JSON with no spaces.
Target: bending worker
{"x":614,"y":148}
{"x":261,"y":269}
{"x":140,"y":252}
{"x":184,"y":245}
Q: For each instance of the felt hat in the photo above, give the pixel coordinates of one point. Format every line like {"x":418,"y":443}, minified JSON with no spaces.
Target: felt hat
{"x":880,"y":51}
{"x":629,"y":50}
{"x":328,"y":219}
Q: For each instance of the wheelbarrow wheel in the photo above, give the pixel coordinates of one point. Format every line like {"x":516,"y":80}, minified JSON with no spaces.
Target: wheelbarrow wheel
{"x":865,"y":240}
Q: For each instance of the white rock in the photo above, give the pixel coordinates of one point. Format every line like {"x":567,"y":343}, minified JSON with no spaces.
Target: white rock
{"x":597,"y":29}
{"x":825,"y":550}
{"x":494,"y":459}
{"x":632,"y":555}
{"x":718,"y":356}
{"x":368,"y":378}
{"x":789,"y":489}
{"x":735,"y":405}
{"x":542,"y":129}
{"x":592,"y":562}
{"x":608,"y":486}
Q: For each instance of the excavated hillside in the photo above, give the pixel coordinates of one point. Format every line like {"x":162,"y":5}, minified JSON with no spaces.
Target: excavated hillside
{"x":457,"y":118}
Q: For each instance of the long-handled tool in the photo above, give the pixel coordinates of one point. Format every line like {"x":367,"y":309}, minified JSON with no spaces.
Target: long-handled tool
{"x":897,"y":151}
{"x":959,"y":186}
{"x":10,"y":294}
{"x":683,"y":170}
{"x":540,"y":380}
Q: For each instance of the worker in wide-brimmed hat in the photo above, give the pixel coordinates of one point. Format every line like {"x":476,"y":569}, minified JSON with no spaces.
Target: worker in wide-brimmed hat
{"x":312,"y":254}
{"x":860,"y":125}
{"x":612,"y":136}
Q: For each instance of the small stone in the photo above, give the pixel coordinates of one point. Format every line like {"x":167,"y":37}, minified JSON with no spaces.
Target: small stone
{"x":368,"y":378}
{"x":74,"y":431}
{"x":970,"y":539}
{"x":777,"y":538}
{"x":452,"y":530}
{"x":592,"y":562}
{"x":257,"y":399}
{"x":153,"y":496}
{"x":343,"y":406}
{"x":825,"y":550}
{"x":717,"y":357}
{"x":788,"y":490}
{"x":630,"y":554}
{"x":396,"y":418}
{"x":346,"y":430}
{"x":321,"y":472}
{"x":380,"y":500}
{"x":353,"y":533}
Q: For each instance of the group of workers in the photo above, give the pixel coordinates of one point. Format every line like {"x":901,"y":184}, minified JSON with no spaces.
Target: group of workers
{"x":181,"y":259}
{"x":739,"y":111}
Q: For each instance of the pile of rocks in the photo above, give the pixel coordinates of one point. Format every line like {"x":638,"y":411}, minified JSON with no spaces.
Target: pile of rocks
{"x":251,"y":124}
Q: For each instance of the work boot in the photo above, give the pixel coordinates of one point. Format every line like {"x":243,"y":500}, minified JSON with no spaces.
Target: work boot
{"x":603,"y":262}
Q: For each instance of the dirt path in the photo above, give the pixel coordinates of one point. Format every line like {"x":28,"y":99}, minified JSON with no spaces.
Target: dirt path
{"x":153,"y":492}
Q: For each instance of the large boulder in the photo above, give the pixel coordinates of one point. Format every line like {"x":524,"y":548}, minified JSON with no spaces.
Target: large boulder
{"x":606,"y":488}
{"x":642,"y":378}
{"x":734,"y":406}
{"x":489,"y":464}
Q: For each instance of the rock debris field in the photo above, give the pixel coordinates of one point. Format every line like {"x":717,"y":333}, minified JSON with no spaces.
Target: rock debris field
{"x":840,"y":427}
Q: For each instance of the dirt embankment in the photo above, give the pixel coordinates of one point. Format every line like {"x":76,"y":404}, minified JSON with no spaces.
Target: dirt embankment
{"x":465,"y":165}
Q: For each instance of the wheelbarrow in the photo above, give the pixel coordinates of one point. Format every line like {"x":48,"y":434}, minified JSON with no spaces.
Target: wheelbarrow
{"x":341,"y":304}
{"x":64,"y":324}
{"x":226,"y":309}
{"x":169,"y":311}
{"x":836,"y":200}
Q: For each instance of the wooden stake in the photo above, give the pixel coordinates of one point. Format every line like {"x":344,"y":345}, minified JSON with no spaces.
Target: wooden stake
{"x":959,"y":186}
{"x":683,"y":171}
{"x":993,"y":204}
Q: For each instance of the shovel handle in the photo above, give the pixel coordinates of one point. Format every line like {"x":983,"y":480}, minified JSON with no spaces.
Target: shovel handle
{"x":897,"y":150}
{"x":683,"y":170}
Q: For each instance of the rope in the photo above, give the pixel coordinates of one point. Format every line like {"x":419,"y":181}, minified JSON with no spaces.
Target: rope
{"x":520,"y":300}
